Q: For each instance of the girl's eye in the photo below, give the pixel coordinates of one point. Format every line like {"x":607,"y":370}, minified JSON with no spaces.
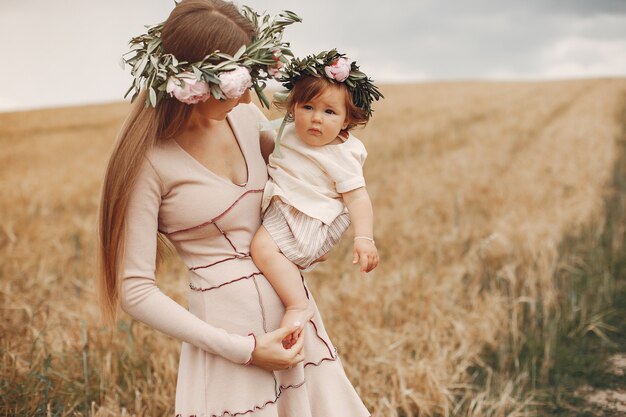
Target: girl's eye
{"x":307,"y":107}
{"x":329,"y":111}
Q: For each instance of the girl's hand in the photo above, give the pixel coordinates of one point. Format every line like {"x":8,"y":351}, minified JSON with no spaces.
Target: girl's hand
{"x":365,"y":254}
{"x":270,"y":354}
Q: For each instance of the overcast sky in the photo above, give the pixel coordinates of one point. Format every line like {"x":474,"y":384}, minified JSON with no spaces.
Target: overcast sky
{"x":55,"y":53}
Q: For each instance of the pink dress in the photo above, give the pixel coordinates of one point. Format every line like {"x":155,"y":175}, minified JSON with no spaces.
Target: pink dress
{"x":211,"y":222}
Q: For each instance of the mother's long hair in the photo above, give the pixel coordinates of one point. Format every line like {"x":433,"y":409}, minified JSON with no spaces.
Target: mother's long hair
{"x":194,"y":29}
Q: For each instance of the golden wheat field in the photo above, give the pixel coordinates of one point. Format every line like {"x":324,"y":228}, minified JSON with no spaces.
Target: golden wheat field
{"x":475,"y":186}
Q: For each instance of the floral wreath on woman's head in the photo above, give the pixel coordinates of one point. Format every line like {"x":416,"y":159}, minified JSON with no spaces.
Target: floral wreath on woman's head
{"x":335,"y":67}
{"x":218,"y":74}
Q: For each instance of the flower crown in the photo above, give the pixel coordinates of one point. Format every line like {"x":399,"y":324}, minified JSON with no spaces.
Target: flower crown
{"x":337,"y":68}
{"x":218,"y":74}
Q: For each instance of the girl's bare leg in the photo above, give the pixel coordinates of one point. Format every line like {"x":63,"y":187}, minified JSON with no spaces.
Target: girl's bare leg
{"x":286,"y":280}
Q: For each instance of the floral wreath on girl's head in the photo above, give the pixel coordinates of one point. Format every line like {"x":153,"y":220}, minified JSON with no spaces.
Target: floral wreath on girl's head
{"x":218,"y":74}
{"x":335,"y":67}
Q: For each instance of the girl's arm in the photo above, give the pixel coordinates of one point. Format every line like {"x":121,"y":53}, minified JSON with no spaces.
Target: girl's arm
{"x":362,"y":217}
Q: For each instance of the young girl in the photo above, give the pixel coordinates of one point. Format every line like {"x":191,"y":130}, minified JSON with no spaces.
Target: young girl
{"x":316,"y":173}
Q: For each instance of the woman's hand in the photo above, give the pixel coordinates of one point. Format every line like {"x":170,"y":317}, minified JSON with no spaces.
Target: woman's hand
{"x":270,"y":354}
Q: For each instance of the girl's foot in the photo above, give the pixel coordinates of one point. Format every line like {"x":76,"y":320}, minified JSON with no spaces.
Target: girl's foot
{"x":299,"y":315}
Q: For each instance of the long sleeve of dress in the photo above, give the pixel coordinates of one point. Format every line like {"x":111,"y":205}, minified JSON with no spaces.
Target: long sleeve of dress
{"x":140,"y":296}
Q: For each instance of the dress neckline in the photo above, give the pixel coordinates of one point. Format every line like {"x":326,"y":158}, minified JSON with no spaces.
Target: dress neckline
{"x":210,"y":172}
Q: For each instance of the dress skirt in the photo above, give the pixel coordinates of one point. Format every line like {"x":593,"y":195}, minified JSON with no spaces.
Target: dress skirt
{"x":317,"y":387}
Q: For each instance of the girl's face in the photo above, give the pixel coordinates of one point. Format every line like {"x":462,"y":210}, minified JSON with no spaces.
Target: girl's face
{"x":319,"y":121}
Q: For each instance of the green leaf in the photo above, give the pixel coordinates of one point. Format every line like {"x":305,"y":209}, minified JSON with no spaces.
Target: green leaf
{"x":197,"y":72}
{"x":229,"y":67}
{"x":223,"y":56}
{"x":210,"y":77}
{"x":262,"y":98}
{"x":153,"y":98}
{"x":129,"y":90}
{"x":216,"y":92}
{"x":142,"y":65}
{"x":152,"y":46}
{"x":357,"y":75}
{"x":240,"y":52}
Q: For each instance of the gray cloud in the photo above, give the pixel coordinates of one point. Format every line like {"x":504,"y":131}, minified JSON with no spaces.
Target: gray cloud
{"x":81,"y":41}
{"x":434,"y":40}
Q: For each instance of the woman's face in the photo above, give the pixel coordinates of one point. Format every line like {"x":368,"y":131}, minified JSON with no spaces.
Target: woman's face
{"x":215,"y":109}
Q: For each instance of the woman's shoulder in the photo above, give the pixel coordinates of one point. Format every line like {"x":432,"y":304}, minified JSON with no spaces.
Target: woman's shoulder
{"x":165,"y":158}
{"x":162,"y":152}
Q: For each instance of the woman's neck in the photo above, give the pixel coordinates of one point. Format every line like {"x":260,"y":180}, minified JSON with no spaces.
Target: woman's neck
{"x":202,"y":122}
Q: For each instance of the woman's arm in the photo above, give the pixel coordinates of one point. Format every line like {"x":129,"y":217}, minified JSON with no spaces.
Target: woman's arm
{"x":140,"y":296}
{"x":362,"y":217}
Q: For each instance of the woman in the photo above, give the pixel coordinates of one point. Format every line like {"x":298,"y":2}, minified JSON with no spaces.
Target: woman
{"x":194,"y":174}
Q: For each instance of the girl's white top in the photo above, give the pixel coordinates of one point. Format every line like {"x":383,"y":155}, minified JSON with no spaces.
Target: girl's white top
{"x":312,"y":178}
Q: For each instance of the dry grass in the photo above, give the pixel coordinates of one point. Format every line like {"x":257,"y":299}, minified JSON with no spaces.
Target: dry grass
{"x":475,"y":187}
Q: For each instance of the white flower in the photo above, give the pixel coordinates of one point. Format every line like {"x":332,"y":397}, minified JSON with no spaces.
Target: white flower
{"x":234,"y":83}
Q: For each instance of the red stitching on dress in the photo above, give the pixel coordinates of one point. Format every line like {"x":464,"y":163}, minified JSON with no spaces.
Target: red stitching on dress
{"x":256,"y":285}
{"x":191,"y":286}
{"x":245,"y":255}
{"x":256,"y":407}
{"x":333,"y":355}
{"x":306,"y":290}
{"x":319,"y":362}
{"x":229,"y":241}
{"x":312,"y":322}
{"x":253,"y":349}
{"x":320,"y":338}
{"x":280,"y":389}
{"x":213,"y":220}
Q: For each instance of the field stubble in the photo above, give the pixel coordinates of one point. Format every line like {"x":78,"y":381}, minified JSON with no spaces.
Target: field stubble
{"x":475,"y":188}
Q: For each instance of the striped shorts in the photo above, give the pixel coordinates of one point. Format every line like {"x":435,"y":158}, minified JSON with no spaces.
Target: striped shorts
{"x":302,"y":239}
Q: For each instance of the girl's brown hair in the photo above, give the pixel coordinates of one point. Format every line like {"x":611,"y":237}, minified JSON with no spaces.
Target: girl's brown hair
{"x":194,"y":29}
{"x":308,"y":87}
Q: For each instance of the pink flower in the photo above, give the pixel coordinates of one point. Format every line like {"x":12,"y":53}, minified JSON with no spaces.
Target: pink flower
{"x":339,"y":70}
{"x":234,"y":83}
{"x":274,"y":70}
{"x":187,"y":89}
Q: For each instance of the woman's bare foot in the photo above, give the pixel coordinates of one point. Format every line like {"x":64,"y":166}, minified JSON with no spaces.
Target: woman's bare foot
{"x":300,"y":313}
